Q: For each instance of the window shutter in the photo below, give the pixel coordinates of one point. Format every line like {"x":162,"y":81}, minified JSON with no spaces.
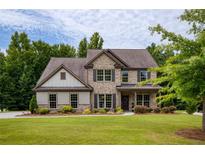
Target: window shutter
{"x":113,"y":75}
{"x":94,"y":75}
{"x":95,"y":101}
{"x":114,"y":101}
{"x":138,"y":76}
{"x":148,"y":75}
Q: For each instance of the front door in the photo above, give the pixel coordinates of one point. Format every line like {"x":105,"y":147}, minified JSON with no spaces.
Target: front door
{"x":125,"y":103}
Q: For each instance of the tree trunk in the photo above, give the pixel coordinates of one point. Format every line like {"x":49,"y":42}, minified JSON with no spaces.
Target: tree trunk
{"x":203,"y":118}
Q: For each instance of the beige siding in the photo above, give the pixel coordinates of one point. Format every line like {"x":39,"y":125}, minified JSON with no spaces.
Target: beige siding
{"x":42,"y":97}
{"x":84,"y":97}
{"x":63,"y":97}
{"x":70,"y":81}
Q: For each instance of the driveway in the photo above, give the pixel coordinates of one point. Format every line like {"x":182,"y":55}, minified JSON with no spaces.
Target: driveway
{"x":6,"y":115}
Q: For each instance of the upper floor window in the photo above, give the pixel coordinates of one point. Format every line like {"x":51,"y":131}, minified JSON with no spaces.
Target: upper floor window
{"x":104,"y":75}
{"x":63,"y":75}
{"x":143,"y":75}
{"x":124,"y":76}
{"x":100,"y":74}
{"x":108,"y":75}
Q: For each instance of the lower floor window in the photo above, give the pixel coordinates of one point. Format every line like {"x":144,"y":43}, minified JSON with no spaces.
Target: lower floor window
{"x":52,"y":100}
{"x":74,"y":100}
{"x":105,"y":101}
{"x":143,"y":99}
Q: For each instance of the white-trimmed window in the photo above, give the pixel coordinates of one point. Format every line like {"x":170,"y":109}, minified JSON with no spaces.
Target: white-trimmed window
{"x":108,"y":75}
{"x":52,"y":100}
{"x":105,"y":101}
{"x":143,"y":100}
{"x":124,"y":75}
{"x":100,"y":75}
{"x":74,"y":100}
{"x":101,"y":100}
{"x":143,"y":75}
{"x":108,"y":101}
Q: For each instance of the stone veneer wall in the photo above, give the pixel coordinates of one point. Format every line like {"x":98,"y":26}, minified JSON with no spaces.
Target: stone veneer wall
{"x":108,"y":87}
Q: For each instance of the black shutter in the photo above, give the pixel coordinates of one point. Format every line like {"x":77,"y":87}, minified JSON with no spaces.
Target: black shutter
{"x":95,"y":101}
{"x":113,"y":75}
{"x":94,"y":75}
{"x":148,"y":75}
{"x":114,"y":101}
{"x":138,"y":75}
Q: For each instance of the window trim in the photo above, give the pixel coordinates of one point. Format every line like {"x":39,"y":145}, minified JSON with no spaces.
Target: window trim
{"x":62,"y":76}
{"x":105,"y":102}
{"x":103,"y":75}
{"x":49,"y":100}
{"x":77,"y":99}
{"x":122,"y":76}
{"x":141,"y":76}
{"x":143,"y":95}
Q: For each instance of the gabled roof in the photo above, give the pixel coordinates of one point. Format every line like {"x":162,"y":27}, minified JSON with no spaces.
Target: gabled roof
{"x":126,"y":58}
{"x":110,"y":54}
{"x":74,"y":66}
{"x":134,"y":58}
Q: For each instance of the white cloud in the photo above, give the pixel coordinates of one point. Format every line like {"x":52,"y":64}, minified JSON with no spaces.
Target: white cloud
{"x":119,"y":28}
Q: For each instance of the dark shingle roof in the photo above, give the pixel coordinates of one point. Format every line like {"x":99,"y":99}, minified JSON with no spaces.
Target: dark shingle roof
{"x":134,"y":58}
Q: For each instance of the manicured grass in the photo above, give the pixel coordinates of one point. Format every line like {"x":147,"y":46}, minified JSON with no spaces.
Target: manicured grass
{"x":137,"y":129}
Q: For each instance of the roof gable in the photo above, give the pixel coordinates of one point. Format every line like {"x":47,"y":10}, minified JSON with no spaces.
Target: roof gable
{"x":75,"y":78}
{"x":119,"y":62}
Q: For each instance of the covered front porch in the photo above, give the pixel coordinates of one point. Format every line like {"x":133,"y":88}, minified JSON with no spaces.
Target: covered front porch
{"x":130,"y":95}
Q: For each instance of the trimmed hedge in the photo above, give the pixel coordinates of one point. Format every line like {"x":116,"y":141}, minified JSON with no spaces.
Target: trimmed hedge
{"x":67,"y":108}
{"x":140,"y":109}
{"x":43,"y":111}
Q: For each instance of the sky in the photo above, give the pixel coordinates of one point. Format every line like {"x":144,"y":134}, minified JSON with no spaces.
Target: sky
{"x":119,"y":28}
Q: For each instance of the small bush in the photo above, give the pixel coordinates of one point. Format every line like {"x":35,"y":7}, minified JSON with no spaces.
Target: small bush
{"x":140,"y":109}
{"x":95,"y":110}
{"x":149,"y":109}
{"x":172,"y":109}
{"x":43,"y":111}
{"x":110,"y":112}
{"x":67,"y":108}
{"x":191,"y":107}
{"x":118,"y":110}
{"x":165,"y":110}
{"x":107,"y":110}
{"x":156,"y":110}
{"x":33,"y":105}
{"x":102,"y":111}
{"x":87,"y":111}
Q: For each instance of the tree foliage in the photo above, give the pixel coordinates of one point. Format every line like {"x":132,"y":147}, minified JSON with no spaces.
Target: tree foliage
{"x":96,"y":42}
{"x":184,"y":73}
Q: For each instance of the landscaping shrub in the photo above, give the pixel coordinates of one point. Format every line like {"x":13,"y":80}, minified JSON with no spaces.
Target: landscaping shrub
{"x":43,"y":111}
{"x":191,"y":107}
{"x":102,"y":111}
{"x":140,"y":109}
{"x":172,"y":109}
{"x":67,"y":108}
{"x":95,"y":111}
{"x":156,"y":110}
{"x":149,"y":109}
{"x":87,"y":111}
{"x":165,"y":110}
{"x":118,"y":110}
{"x":33,"y":105}
{"x":110,"y":112}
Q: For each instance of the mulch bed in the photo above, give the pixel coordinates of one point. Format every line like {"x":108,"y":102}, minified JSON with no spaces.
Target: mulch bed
{"x":196,"y":134}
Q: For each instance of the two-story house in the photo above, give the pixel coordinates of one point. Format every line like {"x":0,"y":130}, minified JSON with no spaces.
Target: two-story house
{"x":106,"y":78}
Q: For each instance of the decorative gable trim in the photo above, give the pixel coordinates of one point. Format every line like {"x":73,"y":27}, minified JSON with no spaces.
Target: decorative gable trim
{"x":119,"y":62}
{"x":58,"y":69}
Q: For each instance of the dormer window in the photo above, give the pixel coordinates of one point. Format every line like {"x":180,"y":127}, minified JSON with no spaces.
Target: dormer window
{"x":63,"y":76}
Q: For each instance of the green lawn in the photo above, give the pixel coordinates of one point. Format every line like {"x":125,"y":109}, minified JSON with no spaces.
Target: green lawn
{"x":138,"y":129}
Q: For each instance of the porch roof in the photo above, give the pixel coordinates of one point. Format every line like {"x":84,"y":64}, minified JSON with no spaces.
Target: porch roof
{"x":136,"y":87}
